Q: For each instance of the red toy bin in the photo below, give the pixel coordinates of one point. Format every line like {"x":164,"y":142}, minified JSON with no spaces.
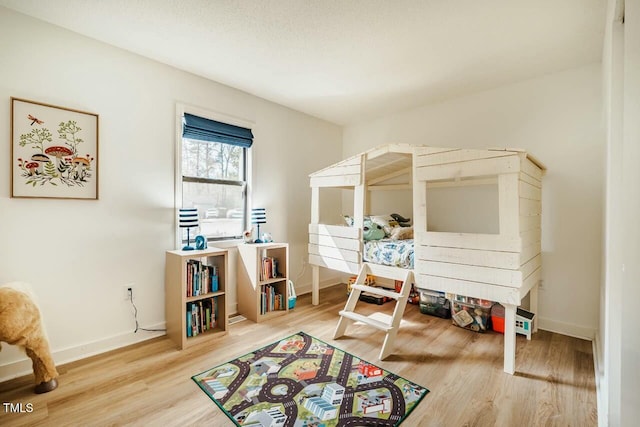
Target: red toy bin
{"x":497,"y":318}
{"x":497,"y":324}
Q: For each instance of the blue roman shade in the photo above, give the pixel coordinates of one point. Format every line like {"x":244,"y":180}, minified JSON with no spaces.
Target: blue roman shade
{"x":202,"y":129}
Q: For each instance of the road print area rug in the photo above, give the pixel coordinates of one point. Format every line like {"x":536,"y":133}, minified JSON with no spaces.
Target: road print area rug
{"x":302,"y":381}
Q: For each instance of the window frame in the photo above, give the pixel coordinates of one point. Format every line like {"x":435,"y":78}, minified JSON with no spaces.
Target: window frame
{"x":181,"y":109}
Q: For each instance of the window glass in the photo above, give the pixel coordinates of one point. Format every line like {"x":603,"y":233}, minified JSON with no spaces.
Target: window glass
{"x":205,"y":159}
{"x":214,"y":182}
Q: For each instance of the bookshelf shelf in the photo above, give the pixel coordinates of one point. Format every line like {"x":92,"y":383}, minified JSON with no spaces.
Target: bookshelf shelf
{"x":260,"y":296}
{"x":195,"y":287}
{"x":269,"y":281}
{"x":207,"y":295}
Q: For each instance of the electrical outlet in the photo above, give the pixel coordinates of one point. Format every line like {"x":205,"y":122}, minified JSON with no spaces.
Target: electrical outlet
{"x":128,"y":292}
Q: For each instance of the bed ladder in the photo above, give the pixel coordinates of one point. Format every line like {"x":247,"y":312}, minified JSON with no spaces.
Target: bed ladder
{"x":349,"y":315}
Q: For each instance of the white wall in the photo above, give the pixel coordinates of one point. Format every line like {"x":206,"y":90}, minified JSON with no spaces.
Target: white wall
{"x":621,"y":337}
{"x":558,"y":119}
{"x":79,"y":271}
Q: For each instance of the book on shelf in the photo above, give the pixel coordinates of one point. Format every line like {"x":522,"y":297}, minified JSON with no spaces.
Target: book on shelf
{"x":201,"y":278}
{"x":269,"y":268}
{"x":270,"y":299}
{"x":214,"y":279}
{"x":202,"y":316}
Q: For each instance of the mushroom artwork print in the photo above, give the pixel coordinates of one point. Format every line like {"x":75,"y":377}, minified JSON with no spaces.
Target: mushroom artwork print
{"x":69,"y":169}
{"x":54,"y":151}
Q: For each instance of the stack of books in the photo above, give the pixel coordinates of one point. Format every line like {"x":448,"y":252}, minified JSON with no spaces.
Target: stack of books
{"x":269,"y":268}
{"x":201,"y":279}
{"x":271,"y":300}
{"x":202,"y":316}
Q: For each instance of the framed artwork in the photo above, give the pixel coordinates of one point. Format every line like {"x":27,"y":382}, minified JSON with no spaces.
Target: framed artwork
{"x":54,"y":151}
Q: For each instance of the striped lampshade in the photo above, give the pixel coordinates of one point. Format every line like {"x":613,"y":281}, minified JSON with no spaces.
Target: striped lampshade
{"x":188,"y":218}
{"x":258,"y":216}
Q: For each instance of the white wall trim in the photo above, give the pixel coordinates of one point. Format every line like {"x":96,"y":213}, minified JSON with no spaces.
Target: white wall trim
{"x":71,"y":354}
{"x":568,"y":329}
{"x":601,"y":389}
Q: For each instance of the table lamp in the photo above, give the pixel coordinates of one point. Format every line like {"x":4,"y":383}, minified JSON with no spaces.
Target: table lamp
{"x":258,"y":216}
{"x":188,"y":218}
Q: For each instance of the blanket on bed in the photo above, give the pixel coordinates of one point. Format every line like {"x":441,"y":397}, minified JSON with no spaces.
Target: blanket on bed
{"x":395,"y":253}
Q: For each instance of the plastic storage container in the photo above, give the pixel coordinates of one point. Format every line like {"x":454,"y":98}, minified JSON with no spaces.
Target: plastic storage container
{"x":435,"y":303}
{"x":471,"y":313}
{"x":497,"y":318}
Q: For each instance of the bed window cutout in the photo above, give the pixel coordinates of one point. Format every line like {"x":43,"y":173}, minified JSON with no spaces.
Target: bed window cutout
{"x":463,"y":209}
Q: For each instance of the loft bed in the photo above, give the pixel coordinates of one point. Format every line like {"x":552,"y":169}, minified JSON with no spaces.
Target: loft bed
{"x":504,"y":266}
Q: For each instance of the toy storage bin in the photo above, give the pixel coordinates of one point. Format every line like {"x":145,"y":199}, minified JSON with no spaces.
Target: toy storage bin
{"x":292,"y":303}
{"x":434,"y":303}
{"x":372,"y":298}
{"x":471,"y":313}
{"x":292,"y":295}
{"x":497,"y":318}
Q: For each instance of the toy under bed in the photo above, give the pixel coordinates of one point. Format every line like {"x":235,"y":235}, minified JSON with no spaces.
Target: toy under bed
{"x":394,"y":253}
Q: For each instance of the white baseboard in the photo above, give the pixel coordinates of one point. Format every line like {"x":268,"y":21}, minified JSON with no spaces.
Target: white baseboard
{"x":327,"y":283}
{"x":568,"y":329}
{"x":23,"y":367}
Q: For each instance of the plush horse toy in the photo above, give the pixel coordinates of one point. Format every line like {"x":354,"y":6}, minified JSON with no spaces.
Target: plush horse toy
{"x":21,"y":325}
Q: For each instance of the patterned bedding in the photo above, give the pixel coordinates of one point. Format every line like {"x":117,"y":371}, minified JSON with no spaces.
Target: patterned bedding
{"x":396,"y":253}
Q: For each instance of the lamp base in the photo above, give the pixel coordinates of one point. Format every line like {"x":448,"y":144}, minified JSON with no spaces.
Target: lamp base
{"x":258,"y":241}
{"x":188,"y":246}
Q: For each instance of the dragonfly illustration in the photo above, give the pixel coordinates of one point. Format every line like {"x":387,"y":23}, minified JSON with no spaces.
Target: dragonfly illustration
{"x":35,"y":120}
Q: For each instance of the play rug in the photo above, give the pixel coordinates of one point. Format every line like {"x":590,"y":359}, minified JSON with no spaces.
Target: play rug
{"x":302,"y":381}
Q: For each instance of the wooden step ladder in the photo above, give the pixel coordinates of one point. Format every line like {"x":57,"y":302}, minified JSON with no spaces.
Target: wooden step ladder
{"x":348,"y":315}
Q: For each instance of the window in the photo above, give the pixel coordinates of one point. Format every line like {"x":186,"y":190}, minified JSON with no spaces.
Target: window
{"x":214,"y":175}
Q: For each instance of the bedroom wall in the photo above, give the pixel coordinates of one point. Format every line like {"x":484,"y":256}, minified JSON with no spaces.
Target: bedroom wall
{"x":619,"y":372}
{"x":79,"y":271}
{"x":381,"y":202}
{"x":558,"y":119}
{"x":483,"y":218}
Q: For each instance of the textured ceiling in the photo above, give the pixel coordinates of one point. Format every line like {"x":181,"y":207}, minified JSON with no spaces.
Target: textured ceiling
{"x":345,"y":60}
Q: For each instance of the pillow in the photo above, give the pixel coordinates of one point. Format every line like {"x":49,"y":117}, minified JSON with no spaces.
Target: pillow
{"x":402,"y":233}
{"x":348,"y":219}
{"x":372,"y":231}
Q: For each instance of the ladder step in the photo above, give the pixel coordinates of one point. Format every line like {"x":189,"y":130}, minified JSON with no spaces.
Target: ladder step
{"x":365,"y":319}
{"x":377,"y":291}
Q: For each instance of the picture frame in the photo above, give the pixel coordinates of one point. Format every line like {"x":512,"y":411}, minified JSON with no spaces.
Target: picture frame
{"x":54,"y":151}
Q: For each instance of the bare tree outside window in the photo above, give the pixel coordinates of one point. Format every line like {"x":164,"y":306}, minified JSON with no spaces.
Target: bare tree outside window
{"x":214,"y":182}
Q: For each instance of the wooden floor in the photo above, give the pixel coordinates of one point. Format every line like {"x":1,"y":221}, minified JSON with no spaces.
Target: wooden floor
{"x":150,"y":384}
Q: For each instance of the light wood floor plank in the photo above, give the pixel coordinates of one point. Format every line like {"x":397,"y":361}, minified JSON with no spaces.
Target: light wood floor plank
{"x":150,"y":383}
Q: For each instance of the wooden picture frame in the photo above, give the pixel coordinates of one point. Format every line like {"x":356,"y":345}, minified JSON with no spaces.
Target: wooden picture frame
{"x":54,"y":151}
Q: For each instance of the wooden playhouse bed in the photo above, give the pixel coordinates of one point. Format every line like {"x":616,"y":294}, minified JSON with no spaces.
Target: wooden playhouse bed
{"x":502,"y":267}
